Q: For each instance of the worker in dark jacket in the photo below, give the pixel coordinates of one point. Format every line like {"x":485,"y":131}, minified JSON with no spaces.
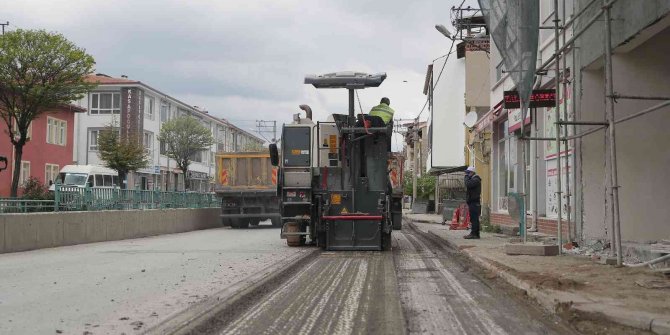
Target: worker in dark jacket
{"x":474,"y":192}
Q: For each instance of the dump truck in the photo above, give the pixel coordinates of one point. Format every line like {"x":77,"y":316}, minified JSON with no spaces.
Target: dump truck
{"x":247,"y":186}
{"x":335,"y":176}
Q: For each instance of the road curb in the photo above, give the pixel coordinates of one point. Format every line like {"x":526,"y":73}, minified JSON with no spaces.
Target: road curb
{"x":560,"y":301}
{"x":187,"y":321}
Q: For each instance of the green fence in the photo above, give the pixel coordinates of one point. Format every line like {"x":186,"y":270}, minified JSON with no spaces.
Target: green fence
{"x":66,"y":198}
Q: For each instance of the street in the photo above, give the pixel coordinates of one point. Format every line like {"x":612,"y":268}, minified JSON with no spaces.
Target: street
{"x":127,"y":286}
{"x":136,"y":285}
{"x":427,"y":292}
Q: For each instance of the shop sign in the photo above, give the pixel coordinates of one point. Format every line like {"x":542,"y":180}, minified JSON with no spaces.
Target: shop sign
{"x":197,"y":175}
{"x":132,"y":112}
{"x":538,"y":98}
{"x":514,"y":117}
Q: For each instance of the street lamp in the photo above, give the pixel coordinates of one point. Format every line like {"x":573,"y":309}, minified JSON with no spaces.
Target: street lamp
{"x":443,"y":30}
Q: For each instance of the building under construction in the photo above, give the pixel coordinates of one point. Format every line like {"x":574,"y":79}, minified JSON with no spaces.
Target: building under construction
{"x":590,"y":164}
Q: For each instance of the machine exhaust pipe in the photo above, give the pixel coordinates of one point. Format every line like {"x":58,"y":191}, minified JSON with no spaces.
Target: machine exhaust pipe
{"x":308,"y":111}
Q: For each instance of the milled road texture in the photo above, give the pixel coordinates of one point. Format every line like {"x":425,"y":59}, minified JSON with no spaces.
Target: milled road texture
{"x":418,"y":288}
{"x":441,"y":296}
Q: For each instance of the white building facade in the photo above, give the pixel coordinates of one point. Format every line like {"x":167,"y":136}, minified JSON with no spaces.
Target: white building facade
{"x":133,"y":104}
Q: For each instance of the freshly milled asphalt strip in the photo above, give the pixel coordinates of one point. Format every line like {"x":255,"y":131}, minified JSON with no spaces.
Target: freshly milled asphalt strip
{"x":338,"y":293}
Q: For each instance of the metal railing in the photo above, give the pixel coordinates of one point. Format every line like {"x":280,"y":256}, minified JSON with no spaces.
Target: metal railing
{"x":68,"y":198}
{"x":25,"y":206}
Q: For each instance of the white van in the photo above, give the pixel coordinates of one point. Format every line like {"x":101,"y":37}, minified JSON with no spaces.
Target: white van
{"x":87,"y":175}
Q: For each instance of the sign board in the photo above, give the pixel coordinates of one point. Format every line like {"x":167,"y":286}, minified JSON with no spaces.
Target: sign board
{"x":514,"y":117}
{"x":197,"y":175}
{"x":539,"y":98}
{"x":132,"y":112}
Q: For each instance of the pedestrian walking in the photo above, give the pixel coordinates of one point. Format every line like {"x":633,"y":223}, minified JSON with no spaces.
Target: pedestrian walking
{"x":473,"y":185}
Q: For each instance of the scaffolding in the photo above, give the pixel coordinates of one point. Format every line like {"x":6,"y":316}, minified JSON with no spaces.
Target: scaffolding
{"x":563,"y":46}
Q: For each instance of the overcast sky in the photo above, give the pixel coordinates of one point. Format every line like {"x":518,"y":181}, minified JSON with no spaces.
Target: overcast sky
{"x":245,"y":60}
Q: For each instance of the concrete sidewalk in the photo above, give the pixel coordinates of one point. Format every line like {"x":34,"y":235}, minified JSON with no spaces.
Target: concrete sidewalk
{"x":567,"y":284}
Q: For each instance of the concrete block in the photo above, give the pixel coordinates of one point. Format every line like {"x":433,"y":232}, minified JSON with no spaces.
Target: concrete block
{"x":20,"y":233}
{"x":509,"y":230}
{"x":74,"y":227}
{"x":115,"y":226}
{"x":49,"y":230}
{"x":2,"y":234}
{"x":532,"y":249}
{"x":131,"y":225}
{"x":96,"y":229}
{"x":606,"y":260}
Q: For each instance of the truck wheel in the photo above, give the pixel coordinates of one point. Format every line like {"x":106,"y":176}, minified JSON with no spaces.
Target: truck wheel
{"x":276,"y":222}
{"x":254,"y":222}
{"x":234,"y":223}
{"x":243,"y":223}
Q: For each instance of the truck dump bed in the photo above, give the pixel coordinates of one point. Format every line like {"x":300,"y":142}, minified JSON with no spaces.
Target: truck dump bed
{"x":245,"y":170}
{"x":246,"y":182}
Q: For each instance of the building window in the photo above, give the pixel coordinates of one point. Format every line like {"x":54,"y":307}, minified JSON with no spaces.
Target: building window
{"x":93,"y":140}
{"x":24,"y":174}
{"x":163,"y":148}
{"x":148,"y":142}
{"x":165,"y":111}
{"x":15,"y":129}
{"x":105,"y":103}
{"x":50,"y":173}
{"x":149,"y":108}
{"x":56,"y":131}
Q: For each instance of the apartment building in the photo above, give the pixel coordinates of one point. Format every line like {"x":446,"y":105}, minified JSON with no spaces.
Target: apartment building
{"x":134,"y":104}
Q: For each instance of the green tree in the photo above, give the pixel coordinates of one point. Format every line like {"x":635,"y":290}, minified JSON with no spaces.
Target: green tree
{"x":38,"y":70}
{"x":253,"y":146}
{"x":183,"y":137}
{"x":121,"y":154}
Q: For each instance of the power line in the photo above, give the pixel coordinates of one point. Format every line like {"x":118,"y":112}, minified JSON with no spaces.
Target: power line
{"x":438,"y":76}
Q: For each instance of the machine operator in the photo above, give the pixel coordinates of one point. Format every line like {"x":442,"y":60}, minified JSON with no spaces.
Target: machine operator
{"x":383,"y":111}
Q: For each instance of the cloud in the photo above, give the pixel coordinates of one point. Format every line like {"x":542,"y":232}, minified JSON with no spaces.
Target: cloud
{"x":245,"y":60}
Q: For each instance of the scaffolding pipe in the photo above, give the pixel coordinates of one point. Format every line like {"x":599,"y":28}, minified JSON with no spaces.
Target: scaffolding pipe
{"x":637,"y":97}
{"x":533,"y":172}
{"x":574,"y":37}
{"x":584,"y":123}
{"x":629,"y":117}
{"x":574,"y":142}
{"x":614,"y":178}
{"x":567,"y":145}
{"x":558,"y":130}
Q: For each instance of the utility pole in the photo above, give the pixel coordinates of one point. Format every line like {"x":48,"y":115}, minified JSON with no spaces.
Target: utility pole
{"x":416,"y":149}
{"x":3,"y":26}
{"x":267,"y":126}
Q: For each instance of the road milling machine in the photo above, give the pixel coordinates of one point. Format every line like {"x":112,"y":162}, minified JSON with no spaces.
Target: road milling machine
{"x":333,"y":179}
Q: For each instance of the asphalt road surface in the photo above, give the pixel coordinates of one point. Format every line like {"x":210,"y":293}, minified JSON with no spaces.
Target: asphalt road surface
{"x":418,"y":288}
{"x":128,"y":286}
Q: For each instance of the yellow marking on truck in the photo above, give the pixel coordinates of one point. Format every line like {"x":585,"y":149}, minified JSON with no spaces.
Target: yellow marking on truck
{"x":344,"y":211}
{"x":295,"y":152}
{"x":335,"y":198}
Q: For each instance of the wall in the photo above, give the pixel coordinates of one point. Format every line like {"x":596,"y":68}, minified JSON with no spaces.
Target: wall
{"x":21,"y":232}
{"x":477,"y":82}
{"x":449,"y":113}
{"x":642,"y":145}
